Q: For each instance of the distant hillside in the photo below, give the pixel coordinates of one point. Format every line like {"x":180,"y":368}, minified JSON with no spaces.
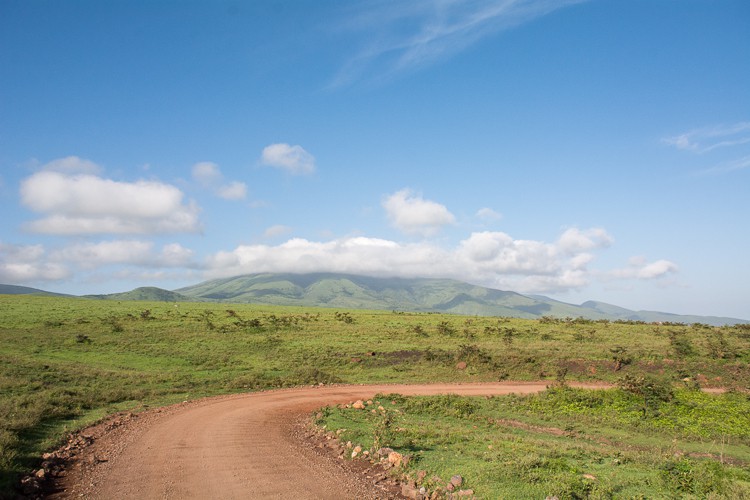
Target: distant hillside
{"x":346,"y":291}
{"x":145,"y":293}
{"x":416,"y":294}
{"x":25,"y":290}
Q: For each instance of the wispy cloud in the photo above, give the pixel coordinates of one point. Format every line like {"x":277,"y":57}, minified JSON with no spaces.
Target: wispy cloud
{"x":406,"y":36}
{"x":707,"y":139}
{"x":726,"y":167}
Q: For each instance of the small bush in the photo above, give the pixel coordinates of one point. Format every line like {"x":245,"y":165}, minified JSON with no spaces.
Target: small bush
{"x":83,"y":339}
{"x":445,"y":328}
{"x":688,"y":476}
{"x":681,"y":344}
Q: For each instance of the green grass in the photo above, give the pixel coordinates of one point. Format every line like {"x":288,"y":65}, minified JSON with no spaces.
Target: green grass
{"x":65,"y":362}
{"x":563,"y":442}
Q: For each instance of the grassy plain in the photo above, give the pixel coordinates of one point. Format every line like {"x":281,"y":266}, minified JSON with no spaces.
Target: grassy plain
{"x":568,"y":443}
{"x":66,"y":362}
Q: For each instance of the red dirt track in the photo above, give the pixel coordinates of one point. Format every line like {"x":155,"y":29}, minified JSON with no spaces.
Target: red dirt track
{"x":239,"y":446}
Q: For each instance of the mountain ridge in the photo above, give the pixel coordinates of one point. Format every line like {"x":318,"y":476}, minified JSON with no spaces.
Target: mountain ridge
{"x":350,"y":291}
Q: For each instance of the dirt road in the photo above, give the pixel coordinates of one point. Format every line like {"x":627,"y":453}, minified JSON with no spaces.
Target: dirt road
{"x":239,"y":446}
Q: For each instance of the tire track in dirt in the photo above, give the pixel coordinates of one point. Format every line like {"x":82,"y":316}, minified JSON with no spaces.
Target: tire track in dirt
{"x":238,"y":446}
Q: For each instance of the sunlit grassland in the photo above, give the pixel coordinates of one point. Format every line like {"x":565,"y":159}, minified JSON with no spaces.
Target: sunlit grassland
{"x":563,"y":442}
{"x":66,"y":362}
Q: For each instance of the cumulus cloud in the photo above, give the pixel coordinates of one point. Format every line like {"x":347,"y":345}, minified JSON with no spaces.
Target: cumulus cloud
{"x":575,"y":240}
{"x":233,"y":191}
{"x":122,"y":252}
{"x":89,"y":204}
{"x":640,"y":268}
{"x":72,"y":165}
{"x":492,"y":259}
{"x":412,"y":214}
{"x":93,"y":255}
{"x":30,"y":263}
{"x":293,"y":159}
{"x":208,"y":175}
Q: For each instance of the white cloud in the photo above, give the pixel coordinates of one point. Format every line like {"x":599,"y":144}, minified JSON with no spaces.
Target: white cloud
{"x":93,"y":255}
{"x":491,"y":259}
{"x":489,"y":215}
{"x":404,"y":36}
{"x":33,"y":263}
{"x":208,"y":175}
{"x":574,"y":240}
{"x":175,"y":255}
{"x":293,"y":159}
{"x":232,"y":191}
{"x":72,"y":165}
{"x":707,"y":139}
{"x":89,"y":204}
{"x":412,"y":214}
{"x":276,"y":230}
{"x":27,"y":264}
{"x":640,"y":268}
{"x":122,"y":252}
{"x":729,"y":166}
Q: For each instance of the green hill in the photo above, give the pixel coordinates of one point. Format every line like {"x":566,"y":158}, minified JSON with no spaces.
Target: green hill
{"x":413,"y":294}
{"x":145,"y":293}
{"x":25,"y":290}
{"x":347,"y":291}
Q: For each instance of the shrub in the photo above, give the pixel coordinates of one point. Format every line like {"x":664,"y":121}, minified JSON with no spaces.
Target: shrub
{"x":681,"y":344}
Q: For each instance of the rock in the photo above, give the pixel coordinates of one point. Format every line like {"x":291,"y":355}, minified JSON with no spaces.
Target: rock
{"x":465,"y":493}
{"x":30,"y":486}
{"x":461,"y":365}
{"x":590,"y":476}
{"x":356,"y":451}
{"x":40,"y":474}
{"x":384,"y":452}
{"x":358,"y":405}
{"x":395,"y":458}
{"x":409,"y":491}
{"x":554,"y":497}
{"x":457,"y":480}
{"x":421,"y":474}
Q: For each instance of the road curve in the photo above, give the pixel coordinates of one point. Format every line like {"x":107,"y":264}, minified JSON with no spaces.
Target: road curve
{"x":237,"y":446}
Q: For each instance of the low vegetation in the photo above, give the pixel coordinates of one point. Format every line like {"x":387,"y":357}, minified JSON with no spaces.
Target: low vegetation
{"x":66,"y":362}
{"x":564,"y":442}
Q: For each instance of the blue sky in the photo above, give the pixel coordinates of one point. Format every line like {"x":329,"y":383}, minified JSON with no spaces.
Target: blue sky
{"x":578,"y":149}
